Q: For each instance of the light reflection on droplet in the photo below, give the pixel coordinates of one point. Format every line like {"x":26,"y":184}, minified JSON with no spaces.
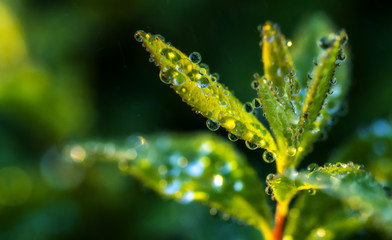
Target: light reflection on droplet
{"x":218,"y":181}
{"x":188,"y":197}
{"x":78,"y":153}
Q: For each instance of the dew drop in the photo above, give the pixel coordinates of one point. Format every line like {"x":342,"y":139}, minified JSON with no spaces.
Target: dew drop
{"x":268,"y":157}
{"x":179,"y":80}
{"x":325,"y":42}
{"x":184,"y":66}
{"x":170,"y":54}
{"x":269,"y":178}
{"x":330,"y":91}
{"x":202,"y":71}
{"x":138,"y":35}
{"x":160,"y":37}
{"x":350,"y":164}
{"x":333,"y":81}
{"x":205,"y":66}
{"x":212,"y":125}
{"x":315,"y":61}
{"x":238,"y":186}
{"x":341,"y":56}
{"x":203,"y":82}
{"x":309,"y":76}
{"x":232,"y":137}
{"x":311,"y":167}
{"x":215,"y":77}
{"x":256,"y":103}
{"x":269,"y":190}
{"x":195,"y":57}
{"x":248,"y":107}
{"x":291,"y":151}
{"x":222,"y":103}
{"x":312,"y":191}
{"x":250,"y":145}
{"x":254,"y":84}
{"x":163,"y":78}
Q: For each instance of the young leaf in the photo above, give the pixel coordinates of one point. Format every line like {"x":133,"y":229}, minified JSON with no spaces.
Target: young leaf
{"x":192,"y":167}
{"x":308,"y":219}
{"x":202,"y":91}
{"x":346,"y":182}
{"x":317,"y":112}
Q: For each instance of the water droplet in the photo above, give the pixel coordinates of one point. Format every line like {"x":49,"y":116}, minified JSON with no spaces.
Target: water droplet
{"x":195,"y":57}
{"x":213,"y":211}
{"x":203,"y":82}
{"x":330,"y":91}
{"x":138,"y":35}
{"x":333,"y":81}
{"x":202,"y":71}
{"x":232,"y":137}
{"x":248,"y":107}
{"x":215,"y":77}
{"x":205,"y":66}
{"x":254,"y":84}
{"x":312,"y":191}
{"x":212,"y":125}
{"x":289,"y":43}
{"x":279,"y":72}
{"x":350,"y":164}
{"x":325,"y":42}
{"x":160,"y":37}
{"x":163,"y":78}
{"x":170,"y":54}
{"x":172,"y":188}
{"x":250,"y":145}
{"x":269,"y":178}
{"x":309,"y":76}
{"x":223,"y":103}
{"x":311,"y":167}
{"x":291,"y":151}
{"x":315,"y":61}
{"x":179,"y":80}
{"x":256,"y":103}
{"x":269,"y":190}
{"x":184,"y":66}
{"x":188,"y":197}
{"x":268,"y":157}
{"x":341,"y":56}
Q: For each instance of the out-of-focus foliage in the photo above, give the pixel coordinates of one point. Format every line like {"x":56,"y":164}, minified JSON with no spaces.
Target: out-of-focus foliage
{"x":346,"y":182}
{"x":188,"y":167}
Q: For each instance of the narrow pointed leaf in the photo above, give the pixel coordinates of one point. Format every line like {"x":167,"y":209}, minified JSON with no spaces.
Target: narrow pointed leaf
{"x":316,"y":113}
{"x":193,"y":167}
{"x":346,"y":182}
{"x":206,"y":96}
{"x":281,"y":83}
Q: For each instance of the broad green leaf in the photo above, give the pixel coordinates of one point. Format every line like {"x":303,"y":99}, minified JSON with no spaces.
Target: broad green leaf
{"x":307,"y":219}
{"x":347,"y":182}
{"x":192,"y":167}
{"x":200,"y":89}
{"x":317,"y":111}
{"x":371,"y":146}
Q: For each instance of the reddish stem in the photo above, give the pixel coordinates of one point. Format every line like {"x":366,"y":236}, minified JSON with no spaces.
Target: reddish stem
{"x":280,"y":216}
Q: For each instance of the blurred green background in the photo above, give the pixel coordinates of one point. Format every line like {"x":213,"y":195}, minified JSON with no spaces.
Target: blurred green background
{"x":71,"y":70}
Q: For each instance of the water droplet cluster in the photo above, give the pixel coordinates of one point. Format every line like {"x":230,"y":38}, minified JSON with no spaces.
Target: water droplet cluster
{"x":201,"y":90}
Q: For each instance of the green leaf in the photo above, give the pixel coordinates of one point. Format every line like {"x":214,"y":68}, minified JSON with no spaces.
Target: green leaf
{"x":308,"y":219}
{"x":200,"y":89}
{"x":192,"y":167}
{"x":278,"y":90}
{"x":319,"y":106}
{"x":371,"y":146}
{"x":347,"y":182}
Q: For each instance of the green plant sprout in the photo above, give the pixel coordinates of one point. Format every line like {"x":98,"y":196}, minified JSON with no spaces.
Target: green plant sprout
{"x":299,"y":105}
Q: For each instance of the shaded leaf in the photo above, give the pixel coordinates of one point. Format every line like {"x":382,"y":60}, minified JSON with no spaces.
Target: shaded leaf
{"x":347,"y":182}
{"x":318,"y":106}
{"x":308,"y":219}
{"x":193,"y":167}
{"x":201,"y":91}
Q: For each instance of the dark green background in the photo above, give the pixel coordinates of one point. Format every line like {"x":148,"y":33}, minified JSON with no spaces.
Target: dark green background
{"x":94,"y":40}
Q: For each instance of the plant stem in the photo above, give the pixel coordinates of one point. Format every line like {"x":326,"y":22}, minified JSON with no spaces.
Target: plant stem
{"x":280,"y":217}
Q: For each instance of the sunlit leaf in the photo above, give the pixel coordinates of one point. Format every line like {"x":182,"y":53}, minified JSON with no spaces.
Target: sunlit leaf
{"x":200,"y":89}
{"x":347,"y":182}
{"x":192,"y":167}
